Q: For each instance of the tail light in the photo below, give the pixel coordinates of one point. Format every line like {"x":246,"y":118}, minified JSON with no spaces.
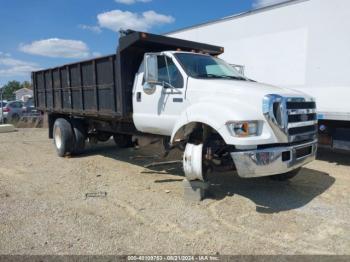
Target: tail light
{"x":6,"y":110}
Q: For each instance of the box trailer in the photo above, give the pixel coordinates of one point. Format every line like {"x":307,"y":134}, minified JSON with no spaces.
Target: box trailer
{"x":299,"y":44}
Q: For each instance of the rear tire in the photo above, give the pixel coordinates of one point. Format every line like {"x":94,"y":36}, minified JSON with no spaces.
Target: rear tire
{"x":103,"y":137}
{"x":79,"y":136}
{"x":63,"y":137}
{"x":286,"y":176}
{"x":123,"y":141}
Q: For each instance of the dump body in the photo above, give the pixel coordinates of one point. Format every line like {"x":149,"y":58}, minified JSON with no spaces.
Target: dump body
{"x":87,"y":88}
{"x":102,"y":87}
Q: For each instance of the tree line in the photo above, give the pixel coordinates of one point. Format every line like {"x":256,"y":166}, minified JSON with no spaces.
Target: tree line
{"x":12,"y":86}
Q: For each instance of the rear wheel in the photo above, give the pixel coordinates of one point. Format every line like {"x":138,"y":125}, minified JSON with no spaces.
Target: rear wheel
{"x":122,"y":141}
{"x":286,"y":176}
{"x":103,"y":137}
{"x":63,"y":137}
{"x":79,"y":136}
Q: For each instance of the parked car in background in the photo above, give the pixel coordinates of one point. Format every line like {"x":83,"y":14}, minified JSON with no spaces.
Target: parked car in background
{"x":29,"y":107}
{"x":11,"y":112}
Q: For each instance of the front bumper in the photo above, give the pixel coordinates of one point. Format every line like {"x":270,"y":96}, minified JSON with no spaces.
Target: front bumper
{"x":273,"y":161}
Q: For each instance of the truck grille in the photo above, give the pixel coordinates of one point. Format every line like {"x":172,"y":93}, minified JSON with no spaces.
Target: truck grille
{"x":301,"y":105}
{"x":301,"y":117}
{"x":292,"y":119}
{"x":301,"y":130}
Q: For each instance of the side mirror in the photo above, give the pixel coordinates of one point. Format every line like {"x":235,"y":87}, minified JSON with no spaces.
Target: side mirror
{"x":151,"y":68}
{"x":149,"y":88}
{"x":239,"y":68}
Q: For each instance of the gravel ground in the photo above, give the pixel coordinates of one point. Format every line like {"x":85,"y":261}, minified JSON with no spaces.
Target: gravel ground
{"x":44,"y":208}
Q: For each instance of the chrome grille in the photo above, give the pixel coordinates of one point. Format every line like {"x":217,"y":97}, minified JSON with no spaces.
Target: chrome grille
{"x":292,"y":118}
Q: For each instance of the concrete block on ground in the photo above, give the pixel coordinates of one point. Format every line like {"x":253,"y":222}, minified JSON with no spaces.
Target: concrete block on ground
{"x":6,"y":128}
{"x":195,"y":190}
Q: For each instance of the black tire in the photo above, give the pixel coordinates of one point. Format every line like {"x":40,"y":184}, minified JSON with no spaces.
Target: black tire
{"x":123,"y":141}
{"x":63,"y":137}
{"x":79,"y":136}
{"x":286,"y":176}
{"x":103,"y":137}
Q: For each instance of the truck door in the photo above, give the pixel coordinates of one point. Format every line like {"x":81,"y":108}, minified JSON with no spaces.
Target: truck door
{"x":157,"y":105}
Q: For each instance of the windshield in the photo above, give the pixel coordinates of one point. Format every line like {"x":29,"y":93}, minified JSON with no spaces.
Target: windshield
{"x":205,"y":66}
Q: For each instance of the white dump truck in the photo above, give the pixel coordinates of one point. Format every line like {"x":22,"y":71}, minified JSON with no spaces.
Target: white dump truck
{"x":178,"y":92}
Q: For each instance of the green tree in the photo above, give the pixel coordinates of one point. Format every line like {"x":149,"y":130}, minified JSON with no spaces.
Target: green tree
{"x":12,"y":86}
{"x":9,"y":89}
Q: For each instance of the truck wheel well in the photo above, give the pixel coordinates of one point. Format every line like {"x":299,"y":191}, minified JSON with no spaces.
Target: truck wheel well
{"x":216,"y":153}
{"x":194,"y":132}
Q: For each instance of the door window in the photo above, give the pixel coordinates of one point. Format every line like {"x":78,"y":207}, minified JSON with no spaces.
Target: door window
{"x":168,"y":72}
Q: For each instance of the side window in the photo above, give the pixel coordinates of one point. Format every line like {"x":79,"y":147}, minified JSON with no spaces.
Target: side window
{"x":17,"y":105}
{"x":13,"y":105}
{"x":162,"y":69}
{"x":168,"y":72}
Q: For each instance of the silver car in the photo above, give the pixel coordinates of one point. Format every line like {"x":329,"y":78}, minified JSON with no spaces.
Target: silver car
{"x":11,"y":111}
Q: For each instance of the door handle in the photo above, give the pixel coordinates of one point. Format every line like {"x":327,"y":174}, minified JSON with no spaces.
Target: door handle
{"x":138,"y":96}
{"x":177,"y":99}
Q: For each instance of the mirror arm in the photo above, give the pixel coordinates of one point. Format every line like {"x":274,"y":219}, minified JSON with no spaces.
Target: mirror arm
{"x":167,"y":85}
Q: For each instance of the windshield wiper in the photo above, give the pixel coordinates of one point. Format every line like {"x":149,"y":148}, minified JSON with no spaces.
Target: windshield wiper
{"x":209,"y":75}
{"x":234,"y":77}
{"x":223,"y":76}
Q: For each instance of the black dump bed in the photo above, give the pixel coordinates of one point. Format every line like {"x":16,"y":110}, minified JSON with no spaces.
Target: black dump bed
{"x":102,"y":87}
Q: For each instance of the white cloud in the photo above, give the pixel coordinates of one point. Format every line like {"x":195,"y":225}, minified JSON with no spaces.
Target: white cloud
{"x":92,"y":28}
{"x":55,"y":47}
{"x":10,"y":67}
{"x":130,"y":2}
{"x":96,"y":54}
{"x":263,"y":3}
{"x":5,"y":54}
{"x":117,"y":19}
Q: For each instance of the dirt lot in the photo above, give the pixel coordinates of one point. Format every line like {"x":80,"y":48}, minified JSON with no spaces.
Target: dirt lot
{"x":44,"y":208}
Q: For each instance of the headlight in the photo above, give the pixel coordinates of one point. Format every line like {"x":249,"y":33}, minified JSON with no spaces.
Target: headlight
{"x":243,"y":128}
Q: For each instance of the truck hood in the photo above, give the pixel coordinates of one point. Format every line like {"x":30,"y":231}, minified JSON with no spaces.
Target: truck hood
{"x":239,"y":96}
{"x":242,"y":88}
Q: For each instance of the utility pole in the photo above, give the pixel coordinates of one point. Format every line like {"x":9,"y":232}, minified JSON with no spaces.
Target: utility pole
{"x":1,"y":106}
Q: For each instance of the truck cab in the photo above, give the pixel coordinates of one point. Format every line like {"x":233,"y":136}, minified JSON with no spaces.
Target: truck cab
{"x":265,"y":130}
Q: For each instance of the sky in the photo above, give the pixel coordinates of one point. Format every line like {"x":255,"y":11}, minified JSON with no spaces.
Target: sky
{"x":38,"y":34}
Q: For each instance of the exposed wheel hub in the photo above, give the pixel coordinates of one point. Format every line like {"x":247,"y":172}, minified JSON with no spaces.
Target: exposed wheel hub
{"x":192,"y":162}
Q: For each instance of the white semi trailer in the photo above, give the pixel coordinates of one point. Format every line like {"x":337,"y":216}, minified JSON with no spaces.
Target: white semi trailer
{"x":299,"y":44}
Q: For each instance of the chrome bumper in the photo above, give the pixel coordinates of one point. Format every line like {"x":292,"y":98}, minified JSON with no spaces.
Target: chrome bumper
{"x":273,"y":161}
